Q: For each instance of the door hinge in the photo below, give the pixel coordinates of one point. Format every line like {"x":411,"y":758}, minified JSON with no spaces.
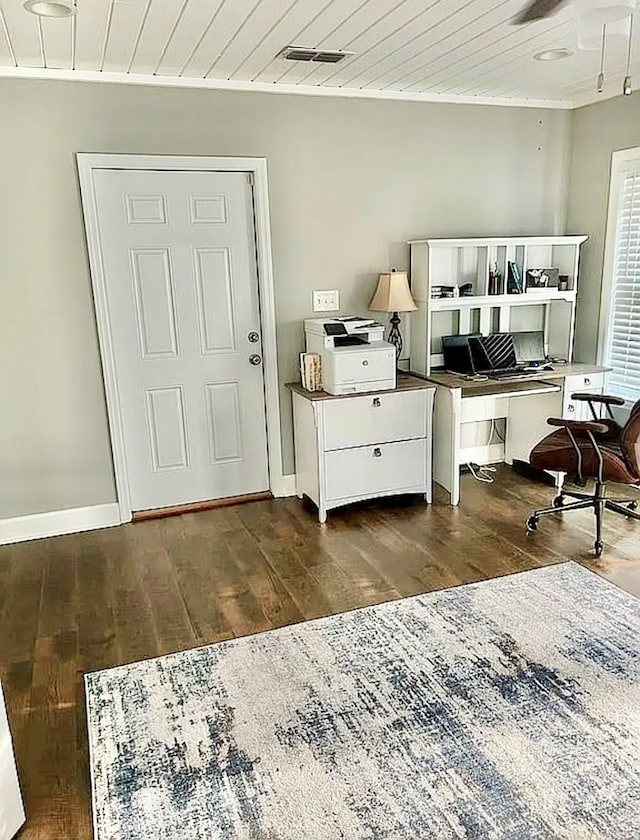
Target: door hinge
{"x":250,"y":178}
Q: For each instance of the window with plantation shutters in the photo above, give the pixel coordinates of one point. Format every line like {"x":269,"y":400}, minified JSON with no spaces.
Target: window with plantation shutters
{"x":622,"y":265}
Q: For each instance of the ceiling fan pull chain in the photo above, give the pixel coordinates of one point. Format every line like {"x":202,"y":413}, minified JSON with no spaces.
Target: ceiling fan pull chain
{"x":626,"y":85}
{"x":601,"y":73}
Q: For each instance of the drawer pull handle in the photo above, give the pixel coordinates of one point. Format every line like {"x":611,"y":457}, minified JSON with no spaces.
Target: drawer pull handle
{"x":376,"y":402}
{"x":365,"y":362}
{"x":377,"y":452}
{"x":587,"y":381}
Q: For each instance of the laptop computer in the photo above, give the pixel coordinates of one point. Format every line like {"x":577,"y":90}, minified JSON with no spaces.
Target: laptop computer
{"x":497,"y":353}
{"x":529,"y":347}
{"x":477,"y":354}
{"x":456,"y":351}
{"x":493,"y":356}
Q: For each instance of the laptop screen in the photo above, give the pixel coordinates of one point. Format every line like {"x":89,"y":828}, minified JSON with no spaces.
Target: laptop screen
{"x":457,"y":353}
{"x":475,"y":353}
{"x":529,"y":346}
{"x":500,"y":351}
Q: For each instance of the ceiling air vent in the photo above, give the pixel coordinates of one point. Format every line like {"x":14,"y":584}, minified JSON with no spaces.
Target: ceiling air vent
{"x":310,"y":54}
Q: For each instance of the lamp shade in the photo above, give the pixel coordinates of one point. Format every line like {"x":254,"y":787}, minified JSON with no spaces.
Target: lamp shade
{"x":392,"y":293}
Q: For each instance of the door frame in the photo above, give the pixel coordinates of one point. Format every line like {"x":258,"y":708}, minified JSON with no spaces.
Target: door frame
{"x":257,"y":168}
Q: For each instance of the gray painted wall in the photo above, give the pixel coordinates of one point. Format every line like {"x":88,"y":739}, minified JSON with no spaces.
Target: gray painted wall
{"x":350,"y":182}
{"x":596,"y":131}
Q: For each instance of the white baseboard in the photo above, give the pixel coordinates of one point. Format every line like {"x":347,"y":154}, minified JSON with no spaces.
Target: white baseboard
{"x":284,"y":486}
{"x":58,"y":522}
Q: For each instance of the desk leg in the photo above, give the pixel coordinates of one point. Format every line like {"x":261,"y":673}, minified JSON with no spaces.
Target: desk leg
{"x":446,"y":441}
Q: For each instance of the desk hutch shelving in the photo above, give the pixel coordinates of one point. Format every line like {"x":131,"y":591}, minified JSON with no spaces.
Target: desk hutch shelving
{"x":456,"y":262}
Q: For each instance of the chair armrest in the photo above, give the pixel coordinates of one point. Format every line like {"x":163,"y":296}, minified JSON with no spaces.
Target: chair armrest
{"x":605,"y":399}
{"x":579,"y":427}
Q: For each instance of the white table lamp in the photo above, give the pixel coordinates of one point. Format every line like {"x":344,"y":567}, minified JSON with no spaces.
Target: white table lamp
{"x":392,"y":294}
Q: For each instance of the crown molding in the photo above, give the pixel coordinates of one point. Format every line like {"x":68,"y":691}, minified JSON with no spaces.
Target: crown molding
{"x":263,"y":87}
{"x":594,"y":98}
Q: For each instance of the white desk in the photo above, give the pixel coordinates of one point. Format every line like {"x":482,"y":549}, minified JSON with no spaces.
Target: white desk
{"x":525,"y":404}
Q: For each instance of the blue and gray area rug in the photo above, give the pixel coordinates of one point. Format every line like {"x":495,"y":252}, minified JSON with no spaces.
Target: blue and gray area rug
{"x":508,"y":709}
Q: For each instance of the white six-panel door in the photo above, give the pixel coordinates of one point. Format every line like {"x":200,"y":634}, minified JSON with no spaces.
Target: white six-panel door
{"x":11,"y":810}
{"x":178,"y":253}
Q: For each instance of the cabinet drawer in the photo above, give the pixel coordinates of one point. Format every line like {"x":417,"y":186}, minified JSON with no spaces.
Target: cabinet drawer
{"x":591,"y":382}
{"x":357,"y":421}
{"x":376,"y":470}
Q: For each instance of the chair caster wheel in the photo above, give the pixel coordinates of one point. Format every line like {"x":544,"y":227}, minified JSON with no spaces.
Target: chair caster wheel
{"x":632,"y":506}
{"x":558,"y":502}
{"x":532,"y":524}
{"x":598,"y":545}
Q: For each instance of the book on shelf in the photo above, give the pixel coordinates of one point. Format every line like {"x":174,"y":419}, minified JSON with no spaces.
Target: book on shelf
{"x":311,"y":371}
{"x":438,"y":292}
{"x":514,"y":279}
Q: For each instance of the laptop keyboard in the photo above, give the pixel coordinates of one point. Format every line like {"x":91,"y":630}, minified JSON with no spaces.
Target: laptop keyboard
{"x":517,"y":373}
{"x":505,"y":373}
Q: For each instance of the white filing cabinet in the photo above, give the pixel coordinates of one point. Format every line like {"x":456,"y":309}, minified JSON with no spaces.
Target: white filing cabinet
{"x":355,"y":447}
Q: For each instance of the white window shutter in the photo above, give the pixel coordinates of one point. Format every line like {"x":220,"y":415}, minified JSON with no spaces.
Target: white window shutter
{"x":623,"y":353}
{"x":11,"y":808}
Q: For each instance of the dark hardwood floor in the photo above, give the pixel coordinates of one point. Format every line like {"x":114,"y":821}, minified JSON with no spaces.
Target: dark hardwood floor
{"x":88,"y":601}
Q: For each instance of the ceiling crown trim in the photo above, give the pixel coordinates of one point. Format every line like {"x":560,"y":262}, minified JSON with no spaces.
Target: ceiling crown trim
{"x":271,"y":87}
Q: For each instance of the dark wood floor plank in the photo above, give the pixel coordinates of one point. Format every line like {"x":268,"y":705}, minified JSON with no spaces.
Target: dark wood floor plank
{"x":197,"y":580}
{"x":274,"y":600}
{"x":308,"y":596}
{"x":21,"y":610}
{"x":48,"y":778}
{"x":132,"y":614}
{"x":97,"y":645}
{"x":6,"y":572}
{"x":87,"y":601}
{"x":171,"y":622}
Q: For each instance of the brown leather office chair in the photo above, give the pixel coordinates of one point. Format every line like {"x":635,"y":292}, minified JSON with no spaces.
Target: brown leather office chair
{"x":597,"y":449}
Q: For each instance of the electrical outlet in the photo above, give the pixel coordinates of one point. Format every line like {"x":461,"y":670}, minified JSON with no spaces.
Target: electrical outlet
{"x":326,"y":301}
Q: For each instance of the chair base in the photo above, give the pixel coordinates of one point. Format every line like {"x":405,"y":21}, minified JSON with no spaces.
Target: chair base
{"x":598,"y":501}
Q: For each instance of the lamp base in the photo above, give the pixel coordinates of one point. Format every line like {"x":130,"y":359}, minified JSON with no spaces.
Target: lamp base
{"x":395,"y":336}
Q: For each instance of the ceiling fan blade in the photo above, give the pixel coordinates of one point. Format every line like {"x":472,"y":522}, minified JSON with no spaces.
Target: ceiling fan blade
{"x":537,"y":10}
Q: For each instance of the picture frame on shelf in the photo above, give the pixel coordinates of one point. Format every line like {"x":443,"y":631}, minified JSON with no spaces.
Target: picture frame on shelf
{"x":541,"y":279}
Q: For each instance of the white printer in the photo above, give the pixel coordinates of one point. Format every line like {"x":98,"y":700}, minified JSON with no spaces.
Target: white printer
{"x":354,"y":355}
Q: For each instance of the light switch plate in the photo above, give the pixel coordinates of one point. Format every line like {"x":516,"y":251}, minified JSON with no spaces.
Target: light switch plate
{"x":324,"y":301}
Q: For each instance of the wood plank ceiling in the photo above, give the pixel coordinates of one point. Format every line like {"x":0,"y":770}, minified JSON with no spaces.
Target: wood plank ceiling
{"x":457,"y":50}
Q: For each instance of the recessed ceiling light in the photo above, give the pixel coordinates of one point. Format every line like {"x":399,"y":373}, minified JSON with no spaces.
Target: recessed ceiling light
{"x":553,"y":55}
{"x":51,"y":8}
